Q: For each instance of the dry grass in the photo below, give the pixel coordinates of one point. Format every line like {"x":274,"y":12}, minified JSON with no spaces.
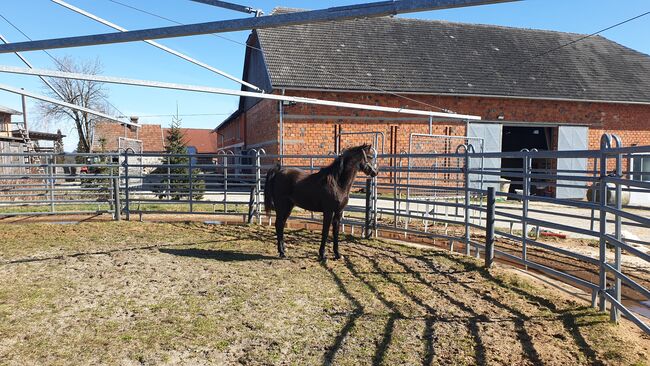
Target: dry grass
{"x":142,"y":293}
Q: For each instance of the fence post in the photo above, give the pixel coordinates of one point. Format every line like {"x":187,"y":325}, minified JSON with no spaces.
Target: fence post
{"x":489,"y":227}
{"x":127,"y":210}
{"x":524,"y":209}
{"x":614,"y":312}
{"x":602,"y":286}
{"x":50,"y":171}
{"x":467,"y":197}
{"x":258,"y":186}
{"x":225,"y":182}
{"x":368,"y":209}
{"x":191,"y":185}
{"x":116,"y":197}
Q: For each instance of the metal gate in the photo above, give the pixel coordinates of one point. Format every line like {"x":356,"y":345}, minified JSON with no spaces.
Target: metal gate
{"x":133,"y":148}
{"x":491,"y":135}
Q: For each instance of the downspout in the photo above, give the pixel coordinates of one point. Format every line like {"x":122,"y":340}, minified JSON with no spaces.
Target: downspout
{"x":430,"y":125}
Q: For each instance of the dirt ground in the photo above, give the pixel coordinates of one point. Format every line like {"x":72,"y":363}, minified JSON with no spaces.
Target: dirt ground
{"x":134,"y":293}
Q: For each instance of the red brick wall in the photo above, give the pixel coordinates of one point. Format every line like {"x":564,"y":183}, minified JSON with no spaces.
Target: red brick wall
{"x":261,"y":125}
{"x":316,"y":135}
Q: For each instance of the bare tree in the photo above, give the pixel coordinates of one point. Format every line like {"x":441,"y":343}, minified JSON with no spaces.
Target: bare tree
{"x":84,"y":93}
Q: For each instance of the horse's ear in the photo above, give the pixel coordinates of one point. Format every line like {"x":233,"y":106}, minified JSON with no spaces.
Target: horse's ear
{"x":366,"y":147}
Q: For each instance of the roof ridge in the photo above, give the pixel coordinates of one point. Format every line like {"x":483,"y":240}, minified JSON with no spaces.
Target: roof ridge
{"x":281,"y":9}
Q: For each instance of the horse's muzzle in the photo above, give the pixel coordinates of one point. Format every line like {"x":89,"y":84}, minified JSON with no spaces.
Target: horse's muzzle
{"x":368,"y":169}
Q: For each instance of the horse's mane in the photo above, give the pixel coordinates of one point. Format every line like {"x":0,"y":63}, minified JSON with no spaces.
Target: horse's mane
{"x":337,"y":167}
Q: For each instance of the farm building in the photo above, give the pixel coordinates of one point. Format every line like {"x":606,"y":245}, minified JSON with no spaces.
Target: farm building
{"x":527,"y":97}
{"x":15,"y":139}
{"x":150,"y":138}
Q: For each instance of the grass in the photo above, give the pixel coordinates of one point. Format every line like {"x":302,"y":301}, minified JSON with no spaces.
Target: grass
{"x":161,"y":293}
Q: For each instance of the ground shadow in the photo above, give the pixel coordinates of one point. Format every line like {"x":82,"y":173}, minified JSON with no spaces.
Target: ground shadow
{"x":219,"y":255}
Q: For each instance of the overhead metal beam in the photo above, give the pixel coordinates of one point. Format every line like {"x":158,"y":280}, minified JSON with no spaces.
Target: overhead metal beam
{"x":227,"y":5}
{"x":26,"y":62}
{"x":64,"y":104}
{"x":157,"y":45}
{"x":212,"y":90}
{"x":375,"y":9}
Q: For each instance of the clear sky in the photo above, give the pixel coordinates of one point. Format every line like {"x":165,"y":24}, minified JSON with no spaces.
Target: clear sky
{"x":40,"y":19}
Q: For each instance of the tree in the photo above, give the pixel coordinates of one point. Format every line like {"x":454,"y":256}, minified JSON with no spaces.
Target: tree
{"x":178,"y":175}
{"x":84,"y":93}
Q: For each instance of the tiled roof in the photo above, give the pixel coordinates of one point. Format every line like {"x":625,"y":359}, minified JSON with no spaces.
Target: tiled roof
{"x":437,"y":57}
{"x":204,"y":140}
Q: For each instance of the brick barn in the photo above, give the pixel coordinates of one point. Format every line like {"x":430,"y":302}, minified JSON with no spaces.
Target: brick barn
{"x":563,"y":100}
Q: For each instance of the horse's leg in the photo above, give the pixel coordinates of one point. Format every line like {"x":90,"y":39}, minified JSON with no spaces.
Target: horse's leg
{"x":327,"y":220}
{"x":282,"y":213}
{"x":336,"y":225}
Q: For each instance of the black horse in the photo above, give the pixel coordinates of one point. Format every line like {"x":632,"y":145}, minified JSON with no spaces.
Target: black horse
{"x":326,"y":191}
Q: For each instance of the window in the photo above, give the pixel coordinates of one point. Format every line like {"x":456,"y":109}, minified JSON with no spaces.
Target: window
{"x":641,"y":167}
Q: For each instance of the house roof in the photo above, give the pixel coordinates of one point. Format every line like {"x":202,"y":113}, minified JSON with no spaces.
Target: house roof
{"x":437,"y":57}
{"x":204,"y":140}
{"x":107,"y":136}
{"x":8,"y":110}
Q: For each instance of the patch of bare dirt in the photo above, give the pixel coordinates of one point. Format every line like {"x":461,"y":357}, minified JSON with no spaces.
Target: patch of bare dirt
{"x":144,"y":293}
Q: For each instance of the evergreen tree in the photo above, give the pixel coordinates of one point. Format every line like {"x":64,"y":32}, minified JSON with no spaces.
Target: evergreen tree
{"x":178,"y":174}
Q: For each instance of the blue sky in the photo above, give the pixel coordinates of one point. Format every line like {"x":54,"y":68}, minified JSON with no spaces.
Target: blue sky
{"x":41,"y":19}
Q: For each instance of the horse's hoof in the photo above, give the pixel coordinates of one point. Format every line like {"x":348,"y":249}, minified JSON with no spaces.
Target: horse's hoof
{"x":322,"y":258}
{"x":282,"y":255}
{"x":337,"y":257}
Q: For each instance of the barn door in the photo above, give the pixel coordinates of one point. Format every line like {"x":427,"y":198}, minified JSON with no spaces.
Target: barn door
{"x":489,"y":135}
{"x":572,"y":138}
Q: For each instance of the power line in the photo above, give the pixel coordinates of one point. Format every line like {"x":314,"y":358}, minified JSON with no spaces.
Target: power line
{"x":542,"y":54}
{"x":290,"y":60}
{"x":53,"y":58}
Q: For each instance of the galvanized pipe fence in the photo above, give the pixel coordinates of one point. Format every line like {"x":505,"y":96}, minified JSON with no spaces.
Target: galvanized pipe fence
{"x":438,"y":198}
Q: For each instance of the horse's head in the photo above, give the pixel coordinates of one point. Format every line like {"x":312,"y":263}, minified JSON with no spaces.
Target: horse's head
{"x":364,"y":164}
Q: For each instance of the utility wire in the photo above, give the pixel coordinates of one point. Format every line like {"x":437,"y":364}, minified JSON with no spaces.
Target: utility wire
{"x":542,"y":54}
{"x":53,"y":58}
{"x":290,"y":60}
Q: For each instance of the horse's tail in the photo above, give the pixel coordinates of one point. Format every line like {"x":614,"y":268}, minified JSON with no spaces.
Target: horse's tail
{"x":268,"y":188}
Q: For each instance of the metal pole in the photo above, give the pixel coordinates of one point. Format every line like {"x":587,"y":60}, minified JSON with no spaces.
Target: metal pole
{"x":489,"y":227}
{"x":25,"y":124}
{"x":368,"y":209}
{"x":116,"y":198}
{"x":467,"y":210}
{"x":191,"y":185}
{"x":281,"y":127}
{"x":258,"y":183}
{"x":127,"y":210}
{"x":51,"y":181}
{"x":603,"y":226}
{"x":231,"y":6}
{"x":366,"y":10}
{"x":225,"y":182}
{"x":157,"y":45}
{"x":524,"y":210}
{"x":204,"y":89}
{"x":614,"y":312}
{"x":59,"y":102}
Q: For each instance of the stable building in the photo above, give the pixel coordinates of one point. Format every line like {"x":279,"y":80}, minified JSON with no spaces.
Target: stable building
{"x":527,"y":96}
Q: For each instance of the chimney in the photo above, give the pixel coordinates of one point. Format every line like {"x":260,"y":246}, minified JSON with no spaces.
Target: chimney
{"x":134,"y":119}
